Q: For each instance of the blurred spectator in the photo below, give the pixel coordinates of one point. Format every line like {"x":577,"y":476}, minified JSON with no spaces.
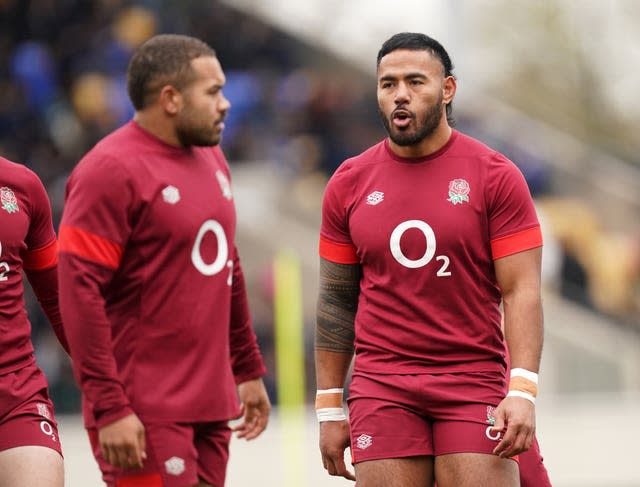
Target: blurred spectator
{"x":33,"y":68}
{"x":600,"y":269}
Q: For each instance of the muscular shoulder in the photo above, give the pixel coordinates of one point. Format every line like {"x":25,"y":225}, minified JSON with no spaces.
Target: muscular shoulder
{"x":470,"y":147}
{"x":119,"y":148}
{"x":99,"y":171}
{"x":19,"y":179}
{"x":108,"y":161}
{"x":100,"y":176}
{"x":17,"y":174}
{"x":352,"y":167}
{"x":10,"y":168}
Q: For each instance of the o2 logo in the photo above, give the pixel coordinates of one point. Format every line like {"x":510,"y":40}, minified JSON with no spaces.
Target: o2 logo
{"x":430,"y":238}
{"x":493,"y":436}
{"x":4,"y":267}
{"x":221,"y":261}
{"x":47,"y":429}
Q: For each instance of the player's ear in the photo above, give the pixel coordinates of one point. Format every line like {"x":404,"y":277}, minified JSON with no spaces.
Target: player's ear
{"x":448,"y":89}
{"x":170,"y":100}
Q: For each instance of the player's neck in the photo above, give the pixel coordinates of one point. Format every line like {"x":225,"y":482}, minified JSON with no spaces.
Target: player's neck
{"x":426,"y":146}
{"x":158,"y":126}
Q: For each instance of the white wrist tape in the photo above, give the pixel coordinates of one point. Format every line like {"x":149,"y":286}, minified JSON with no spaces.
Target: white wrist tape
{"x":329,"y":405}
{"x":527,"y":374}
{"x":523,"y":395}
{"x":330,"y":414}
{"x":335,"y":390}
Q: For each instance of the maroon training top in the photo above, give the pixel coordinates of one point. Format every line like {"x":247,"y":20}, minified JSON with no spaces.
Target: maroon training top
{"x":426,"y":232}
{"x":27,"y":242}
{"x":151,"y":288}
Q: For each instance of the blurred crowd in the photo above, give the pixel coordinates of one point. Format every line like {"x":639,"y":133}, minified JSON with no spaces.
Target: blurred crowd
{"x":63,"y":87}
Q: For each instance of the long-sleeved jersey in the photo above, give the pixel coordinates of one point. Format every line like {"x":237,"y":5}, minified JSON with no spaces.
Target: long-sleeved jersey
{"x":152,"y":292}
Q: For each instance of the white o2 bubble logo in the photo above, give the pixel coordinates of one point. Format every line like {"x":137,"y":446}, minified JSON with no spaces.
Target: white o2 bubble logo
{"x":492,"y":436}
{"x":430,"y":250}
{"x":47,"y":429}
{"x":4,"y":267}
{"x":221,"y":261}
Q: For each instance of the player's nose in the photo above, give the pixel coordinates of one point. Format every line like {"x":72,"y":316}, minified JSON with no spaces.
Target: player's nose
{"x":224,"y":104}
{"x":401,"y":95}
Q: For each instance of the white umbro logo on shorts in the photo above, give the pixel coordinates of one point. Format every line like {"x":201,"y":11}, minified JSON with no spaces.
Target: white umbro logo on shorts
{"x":375,"y":198}
{"x":364,"y":441}
{"x":171,"y":195}
{"x":174,"y":466}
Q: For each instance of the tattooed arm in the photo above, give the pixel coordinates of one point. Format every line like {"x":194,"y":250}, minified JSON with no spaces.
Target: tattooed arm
{"x":337,"y":305}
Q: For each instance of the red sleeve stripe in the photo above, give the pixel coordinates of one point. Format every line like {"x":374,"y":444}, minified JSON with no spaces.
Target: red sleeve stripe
{"x":40,"y":259}
{"x":340,"y":253}
{"x":516,"y":242}
{"x":90,"y":246}
{"x":148,"y":480}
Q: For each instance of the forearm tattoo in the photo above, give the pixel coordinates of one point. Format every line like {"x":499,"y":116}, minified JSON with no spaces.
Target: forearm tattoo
{"x":337,"y":305}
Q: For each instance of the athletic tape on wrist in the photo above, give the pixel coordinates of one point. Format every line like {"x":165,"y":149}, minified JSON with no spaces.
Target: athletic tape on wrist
{"x":335,"y":390}
{"x":525,"y":383}
{"x":329,"y":405}
{"x":329,"y":398}
{"x":527,"y":374}
{"x":523,"y":395}
{"x":330,"y":414}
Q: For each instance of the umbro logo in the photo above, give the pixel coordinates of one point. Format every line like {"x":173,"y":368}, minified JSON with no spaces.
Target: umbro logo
{"x":375,"y":198}
{"x":363,"y":442}
{"x":174,"y":466}
{"x":171,"y":195}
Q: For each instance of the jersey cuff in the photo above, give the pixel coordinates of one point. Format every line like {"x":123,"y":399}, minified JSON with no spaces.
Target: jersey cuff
{"x":340,"y":253}
{"x":516,"y":242}
{"x":90,"y":246}
{"x":245,"y":375}
{"x":112,"y":416}
{"x":41,"y":259}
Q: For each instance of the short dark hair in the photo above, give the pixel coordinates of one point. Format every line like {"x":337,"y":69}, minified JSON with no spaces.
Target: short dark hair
{"x":419,"y":42}
{"x":162,"y":60}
